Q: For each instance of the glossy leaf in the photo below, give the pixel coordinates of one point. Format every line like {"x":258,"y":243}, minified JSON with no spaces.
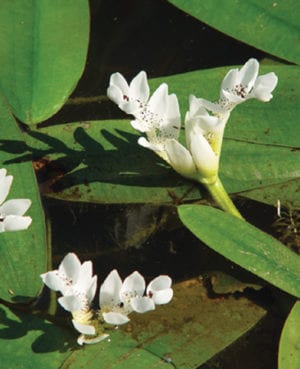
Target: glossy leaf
{"x":30,"y":342}
{"x":289,"y":349}
{"x":43,"y":48}
{"x":22,"y":253}
{"x":271,"y":26}
{"x":245,"y":245}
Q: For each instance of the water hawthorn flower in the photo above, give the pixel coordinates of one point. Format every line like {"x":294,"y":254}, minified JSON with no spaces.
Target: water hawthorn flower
{"x":158,"y":117}
{"x":117,"y":299}
{"x":12,"y":211}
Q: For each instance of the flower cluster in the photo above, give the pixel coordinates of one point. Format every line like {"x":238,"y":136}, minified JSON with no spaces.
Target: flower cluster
{"x":12,"y":211}
{"x":158,"y":117}
{"x":117,"y":298}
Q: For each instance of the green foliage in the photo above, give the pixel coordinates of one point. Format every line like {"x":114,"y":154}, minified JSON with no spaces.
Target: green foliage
{"x":43,"y":48}
{"x":22,"y":253}
{"x":289,"y":350}
{"x":31,"y":342}
{"x":272,"y":26}
{"x":184,"y":333}
{"x":245,"y":245}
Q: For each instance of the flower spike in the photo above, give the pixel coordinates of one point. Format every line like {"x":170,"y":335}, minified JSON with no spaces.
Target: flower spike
{"x":158,"y":117}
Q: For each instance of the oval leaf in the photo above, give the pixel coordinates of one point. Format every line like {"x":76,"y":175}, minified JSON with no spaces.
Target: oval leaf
{"x":43,"y":48}
{"x":22,"y":253}
{"x":271,"y":26}
{"x":245,"y":245}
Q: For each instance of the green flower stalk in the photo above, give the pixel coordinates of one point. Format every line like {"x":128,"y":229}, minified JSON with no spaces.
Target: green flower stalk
{"x":158,"y":117}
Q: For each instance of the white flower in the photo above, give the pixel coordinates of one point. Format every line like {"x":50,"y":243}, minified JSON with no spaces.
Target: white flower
{"x":158,"y":117}
{"x":75,"y":281}
{"x":160,"y":121}
{"x":241,"y":85}
{"x":204,"y":133}
{"x":12,"y":211}
{"x":118,"y":300}
{"x":129,"y":98}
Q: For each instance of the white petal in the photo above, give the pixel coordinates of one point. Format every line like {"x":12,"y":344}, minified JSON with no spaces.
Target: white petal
{"x":139,"y":88}
{"x":205,"y":159}
{"x":180,"y":158}
{"x":70,"y":266}
{"x":84,"y":328}
{"x":5,"y":184}
{"x":264,"y":85}
{"x":86,"y":283}
{"x":148,"y":145}
{"x":159,"y":283}
{"x":130,"y":107}
{"x":115,"y":318}
{"x":140,"y":125}
{"x":135,"y":283}
{"x":170,"y":126}
{"x":110,"y":290}
{"x":207,"y":123}
{"x":162,"y":297}
{"x":233,"y":98}
{"x":15,"y":207}
{"x":159,"y":289}
{"x":248,"y":73}
{"x":52,"y":280}
{"x":210,"y":106}
{"x":115,"y":94}
{"x":90,"y":340}
{"x":116,"y":79}
{"x":71,"y":303}
{"x":142,"y":304}
{"x":91,"y":291}
{"x":16,"y":223}
{"x":158,"y":101}
{"x":230,"y":80}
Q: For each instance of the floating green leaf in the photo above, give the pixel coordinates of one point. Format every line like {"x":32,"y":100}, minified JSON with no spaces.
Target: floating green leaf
{"x":272,"y":26}
{"x":289,"y":347}
{"x":29,"y":342}
{"x":22,"y":253}
{"x":245,"y":245}
{"x":185,"y":333}
{"x":43,"y":47}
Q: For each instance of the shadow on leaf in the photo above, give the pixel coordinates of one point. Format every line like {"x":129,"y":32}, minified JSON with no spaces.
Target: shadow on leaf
{"x":80,"y":159}
{"x":43,"y":336}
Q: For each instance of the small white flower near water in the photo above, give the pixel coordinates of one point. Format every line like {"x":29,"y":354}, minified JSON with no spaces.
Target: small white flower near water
{"x":118,"y":298}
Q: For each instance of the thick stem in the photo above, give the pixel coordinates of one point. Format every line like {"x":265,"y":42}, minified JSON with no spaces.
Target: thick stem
{"x":221,"y":197}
